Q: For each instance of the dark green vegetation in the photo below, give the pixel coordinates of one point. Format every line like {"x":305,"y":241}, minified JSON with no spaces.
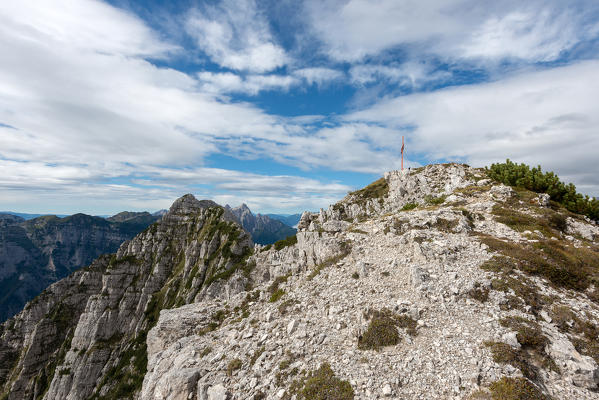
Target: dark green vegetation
{"x":378,"y":189}
{"x":321,"y":384}
{"x":434,"y":201}
{"x":583,"y":334}
{"x":559,"y":262}
{"x":536,"y":180}
{"x":515,"y":389}
{"x":288,"y":241}
{"x":275,"y":291}
{"x":479,"y":293}
{"x":409,"y":206}
{"x":383,"y":329}
{"x":549,"y":256}
{"x":531,"y":357}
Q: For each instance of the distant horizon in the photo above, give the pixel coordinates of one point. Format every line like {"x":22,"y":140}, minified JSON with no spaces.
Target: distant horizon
{"x":62,"y":215}
{"x":108,"y":105}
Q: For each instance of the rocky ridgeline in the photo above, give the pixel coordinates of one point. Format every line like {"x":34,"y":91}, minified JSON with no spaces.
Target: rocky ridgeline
{"x":38,"y":252}
{"x":429,"y":283}
{"x":85,"y":336}
{"x":264,"y":230}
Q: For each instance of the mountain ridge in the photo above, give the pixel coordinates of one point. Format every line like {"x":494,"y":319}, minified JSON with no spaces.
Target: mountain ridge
{"x":264,"y":230}
{"x":37,"y":252}
{"x":435,"y":282}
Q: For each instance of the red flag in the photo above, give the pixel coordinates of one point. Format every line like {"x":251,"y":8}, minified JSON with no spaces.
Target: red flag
{"x":402,"y":145}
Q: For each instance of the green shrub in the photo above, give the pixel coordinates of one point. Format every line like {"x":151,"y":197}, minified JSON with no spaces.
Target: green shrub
{"x":409,"y":206}
{"x":355,"y":275}
{"x":515,"y":389}
{"x":378,"y":189}
{"x":233,"y":366}
{"x":479,"y":293}
{"x":535,"y":180}
{"x":207,"y":350}
{"x":382,"y":329}
{"x":435,"y":201}
{"x":288,"y":241}
{"x":275,"y":292}
{"x":555,"y":260}
{"x":322,"y":384}
{"x":267,"y":247}
{"x":276,"y":295}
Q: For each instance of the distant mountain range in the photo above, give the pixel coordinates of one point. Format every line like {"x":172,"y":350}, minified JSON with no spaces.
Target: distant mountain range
{"x":264,"y":229}
{"x":38,"y":251}
{"x":288,"y":219}
{"x":27,"y":216}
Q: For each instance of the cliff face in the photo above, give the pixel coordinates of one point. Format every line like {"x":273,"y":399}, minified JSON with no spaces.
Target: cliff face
{"x":429,"y":283}
{"x":264,"y":230}
{"x":40,"y":251}
{"x":85,"y":336}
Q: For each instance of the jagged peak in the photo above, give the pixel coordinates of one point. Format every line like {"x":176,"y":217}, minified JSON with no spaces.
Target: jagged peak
{"x":188,"y":204}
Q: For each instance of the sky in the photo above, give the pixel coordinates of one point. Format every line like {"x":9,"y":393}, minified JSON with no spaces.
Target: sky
{"x":284,"y":105}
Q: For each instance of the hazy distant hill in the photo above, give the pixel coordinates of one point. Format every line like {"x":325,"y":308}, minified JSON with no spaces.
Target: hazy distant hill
{"x":26,"y":216}
{"x":287,"y":219}
{"x":264,"y":230}
{"x":35,"y":253}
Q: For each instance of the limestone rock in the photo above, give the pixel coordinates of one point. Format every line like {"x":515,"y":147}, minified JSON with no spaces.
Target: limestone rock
{"x":582,"y":370}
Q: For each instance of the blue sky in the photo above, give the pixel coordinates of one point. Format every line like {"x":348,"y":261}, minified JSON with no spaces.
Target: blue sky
{"x":284,"y":105}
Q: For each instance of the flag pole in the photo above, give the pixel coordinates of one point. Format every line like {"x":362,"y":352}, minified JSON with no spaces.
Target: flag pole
{"x":402,"y":145}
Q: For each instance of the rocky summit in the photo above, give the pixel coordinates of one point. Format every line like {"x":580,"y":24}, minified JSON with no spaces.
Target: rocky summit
{"x":264,"y":229}
{"x":430,"y":283}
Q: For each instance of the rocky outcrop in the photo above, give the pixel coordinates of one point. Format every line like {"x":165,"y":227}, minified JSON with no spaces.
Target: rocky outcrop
{"x":264,"y":230}
{"x":430,"y":283}
{"x":436,"y":265}
{"x":90,"y":340}
{"x":40,"y":251}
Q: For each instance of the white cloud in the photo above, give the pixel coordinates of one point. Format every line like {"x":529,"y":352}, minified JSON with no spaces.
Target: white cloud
{"x":407,"y":74}
{"x":534,"y":30}
{"x":534,"y":35}
{"x":68,"y":189}
{"x":253,"y":84}
{"x":85,"y":115}
{"x":97,"y":27}
{"x":319,"y":75}
{"x":228,"y":82}
{"x":235,"y":35}
{"x":545,"y":117}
